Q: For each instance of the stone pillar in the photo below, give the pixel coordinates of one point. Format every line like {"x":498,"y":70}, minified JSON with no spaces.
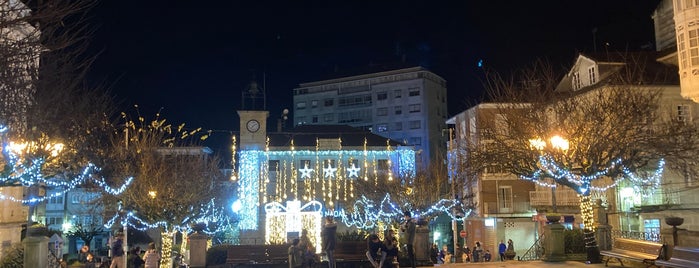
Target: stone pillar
{"x":603,"y":231}
{"x":36,"y":251}
{"x":554,"y":244}
{"x":422,"y":246}
{"x":197,"y":250}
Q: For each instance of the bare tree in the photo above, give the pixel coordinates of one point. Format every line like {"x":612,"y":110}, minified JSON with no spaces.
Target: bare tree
{"x":609,"y":129}
{"x":174,"y":178}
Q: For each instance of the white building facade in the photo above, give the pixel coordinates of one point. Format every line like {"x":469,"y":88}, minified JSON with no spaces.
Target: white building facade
{"x":407,"y":105}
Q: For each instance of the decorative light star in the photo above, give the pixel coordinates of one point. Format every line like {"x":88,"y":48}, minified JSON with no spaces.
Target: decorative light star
{"x":305,"y":172}
{"x":353,"y":171}
{"x":329,"y":172}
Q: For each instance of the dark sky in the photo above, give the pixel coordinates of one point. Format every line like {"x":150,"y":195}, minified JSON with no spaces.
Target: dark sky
{"x":193,"y":58}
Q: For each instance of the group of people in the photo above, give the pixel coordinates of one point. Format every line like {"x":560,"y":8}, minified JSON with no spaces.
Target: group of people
{"x":477,"y":254}
{"x":302,"y":251}
{"x":150,"y":258}
{"x":380,"y":254}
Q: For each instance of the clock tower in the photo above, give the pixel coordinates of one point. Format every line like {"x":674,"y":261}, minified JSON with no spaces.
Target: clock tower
{"x":253,"y":118}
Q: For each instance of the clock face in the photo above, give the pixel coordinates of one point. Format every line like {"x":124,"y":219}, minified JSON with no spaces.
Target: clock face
{"x":253,"y":125}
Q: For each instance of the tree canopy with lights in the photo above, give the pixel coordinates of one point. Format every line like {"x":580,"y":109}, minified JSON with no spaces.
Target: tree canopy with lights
{"x":587,"y":139}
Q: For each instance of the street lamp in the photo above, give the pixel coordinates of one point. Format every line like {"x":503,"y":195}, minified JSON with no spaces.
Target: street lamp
{"x":556,"y":142}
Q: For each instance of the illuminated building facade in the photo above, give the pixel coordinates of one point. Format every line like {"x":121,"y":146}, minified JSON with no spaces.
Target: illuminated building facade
{"x":312,"y":169}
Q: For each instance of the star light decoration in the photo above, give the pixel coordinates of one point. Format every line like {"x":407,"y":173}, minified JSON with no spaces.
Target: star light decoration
{"x":353,"y":171}
{"x":329,"y":171}
{"x":305,"y":172}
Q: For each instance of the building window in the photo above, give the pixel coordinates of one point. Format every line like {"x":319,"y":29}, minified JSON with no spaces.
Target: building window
{"x":415,"y":124}
{"x":398,"y":126}
{"x":398,"y":109}
{"x":314,"y":103}
{"x":681,"y":49}
{"x":301,"y":105}
{"x":361,"y":100}
{"x":651,"y":229}
{"x":87,"y":221}
{"x":314,"y":119}
{"x":301,"y":120}
{"x":381,"y":128}
{"x":328,"y":117}
{"x":382,"y":164}
{"x":381,"y":96}
{"x":693,"y":47}
{"x":494,"y":169}
{"x":329,"y":102}
{"x":576,"y":81}
{"x":56,"y":200}
{"x":683,"y":114}
{"x":273,"y":165}
{"x":382,"y":111}
{"x":592,"y":75}
{"x":415,"y":141}
{"x":397,"y":93}
{"x":75,"y":199}
{"x":505,"y":199}
{"x":414,"y":108}
{"x":414,"y":92}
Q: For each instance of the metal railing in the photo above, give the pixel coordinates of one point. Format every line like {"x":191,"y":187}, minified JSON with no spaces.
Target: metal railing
{"x":645,"y":236}
{"x":563,"y":198}
{"x":535,"y":251}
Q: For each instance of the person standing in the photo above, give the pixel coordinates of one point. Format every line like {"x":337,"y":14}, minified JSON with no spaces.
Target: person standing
{"x":308,"y":249}
{"x":501,"y":250}
{"x":118,"y":252}
{"x":477,"y":252}
{"x":329,"y":240}
{"x":409,"y":227}
{"x":152,"y":257}
{"x":295,"y":254}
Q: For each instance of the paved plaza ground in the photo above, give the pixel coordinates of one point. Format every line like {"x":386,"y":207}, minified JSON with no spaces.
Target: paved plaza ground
{"x":530,"y":264}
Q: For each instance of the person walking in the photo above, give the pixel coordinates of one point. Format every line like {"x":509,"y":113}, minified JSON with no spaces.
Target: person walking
{"x":151,"y":257}
{"x":501,"y":250}
{"x":329,"y":240}
{"x":409,"y":227}
{"x":117,"y":250}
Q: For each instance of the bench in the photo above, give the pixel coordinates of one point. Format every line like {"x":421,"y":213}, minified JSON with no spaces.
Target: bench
{"x":634,"y":250}
{"x":682,"y":257}
{"x":256,"y":255}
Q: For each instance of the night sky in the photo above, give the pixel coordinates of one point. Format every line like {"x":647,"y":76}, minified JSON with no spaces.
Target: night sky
{"x":193,"y":58}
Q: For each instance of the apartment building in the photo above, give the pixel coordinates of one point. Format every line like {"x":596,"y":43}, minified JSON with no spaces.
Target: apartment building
{"x":407,"y":105}
{"x":502,"y":201}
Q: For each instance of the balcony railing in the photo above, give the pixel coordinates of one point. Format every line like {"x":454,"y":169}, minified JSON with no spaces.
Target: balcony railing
{"x":563,"y":198}
{"x":517,"y":207}
{"x":645,"y":236}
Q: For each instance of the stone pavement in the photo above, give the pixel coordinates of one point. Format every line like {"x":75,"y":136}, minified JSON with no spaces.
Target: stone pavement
{"x":527,"y":264}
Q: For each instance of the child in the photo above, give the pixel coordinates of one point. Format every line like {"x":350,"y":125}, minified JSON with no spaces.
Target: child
{"x":486,"y":256}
